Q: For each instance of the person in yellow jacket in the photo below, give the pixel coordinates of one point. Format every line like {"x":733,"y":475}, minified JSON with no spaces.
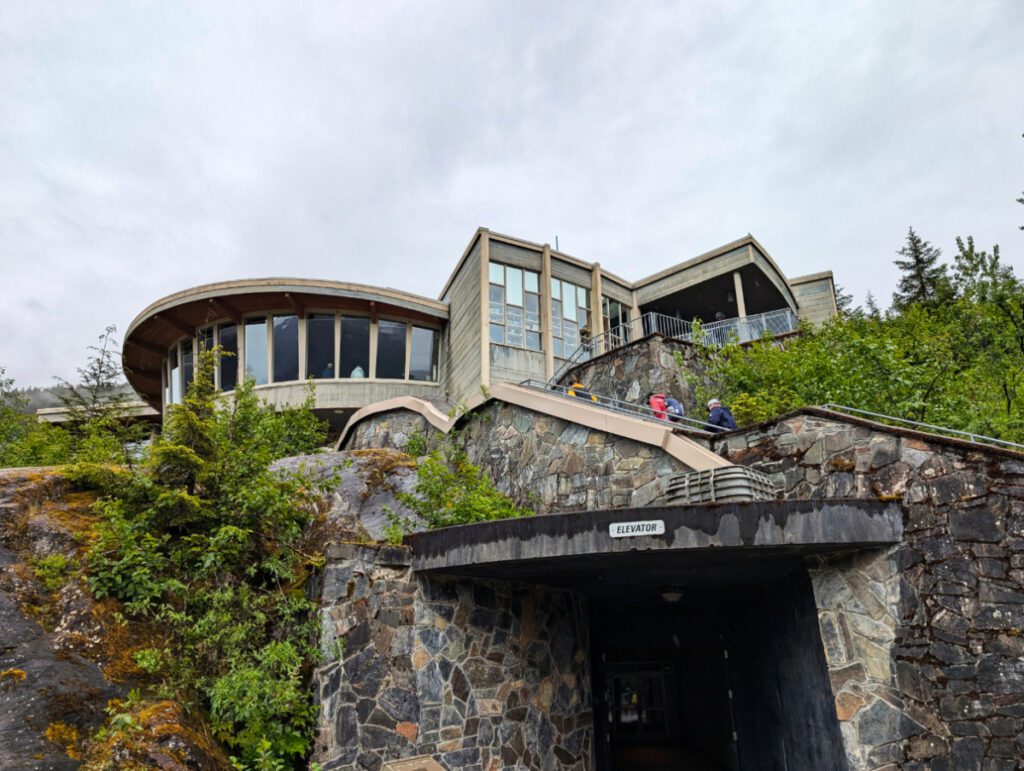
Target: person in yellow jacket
{"x":580,"y":392}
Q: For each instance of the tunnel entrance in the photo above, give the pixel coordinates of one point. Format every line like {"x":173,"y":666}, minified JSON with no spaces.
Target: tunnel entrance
{"x":702,"y":638}
{"x":727,"y":678}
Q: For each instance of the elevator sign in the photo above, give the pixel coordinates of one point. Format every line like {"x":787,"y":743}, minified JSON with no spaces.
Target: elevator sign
{"x":633,"y":529}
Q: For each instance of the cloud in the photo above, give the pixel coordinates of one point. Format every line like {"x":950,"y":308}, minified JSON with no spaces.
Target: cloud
{"x":148,"y":148}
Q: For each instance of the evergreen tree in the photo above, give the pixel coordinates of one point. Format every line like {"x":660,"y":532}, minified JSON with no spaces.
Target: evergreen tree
{"x":844,"y":301}
{"x":99,"y":388}
{"x":872,"y":310}
{"x":924,"y":281}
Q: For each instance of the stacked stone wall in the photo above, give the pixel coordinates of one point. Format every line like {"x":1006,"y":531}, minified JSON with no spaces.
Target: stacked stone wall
{"x":389,"y":430}
{"x":474,"y":675}
{"x":647,"y":366}
{"x":553,"y":465}
{"x":925,"y":641}
{"x":544,"y":463}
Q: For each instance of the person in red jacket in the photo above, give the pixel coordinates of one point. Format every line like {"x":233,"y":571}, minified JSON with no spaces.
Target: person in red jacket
{"x":657,"y":402}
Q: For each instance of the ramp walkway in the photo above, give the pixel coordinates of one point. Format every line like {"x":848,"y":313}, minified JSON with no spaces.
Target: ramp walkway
{"x":602,"y":415}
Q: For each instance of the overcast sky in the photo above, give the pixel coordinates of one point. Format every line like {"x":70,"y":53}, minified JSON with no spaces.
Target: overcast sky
{"x":149,"y":147}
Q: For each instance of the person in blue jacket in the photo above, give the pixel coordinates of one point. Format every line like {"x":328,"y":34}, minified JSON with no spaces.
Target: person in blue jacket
{"x":720,"y":416}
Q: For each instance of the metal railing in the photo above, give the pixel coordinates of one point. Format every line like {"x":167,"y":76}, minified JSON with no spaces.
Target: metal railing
{"x":715,"y":333}
{"x":642,"y":411}
{"x":954,"y":432}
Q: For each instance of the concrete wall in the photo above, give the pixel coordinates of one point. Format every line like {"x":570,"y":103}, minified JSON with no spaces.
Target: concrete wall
{"x":514,"y":365}
{"x":345,"y":393}
{"x":568,"y":271}
{"x":816,"y":297}
{"x":925,"y":642}
{"x":473,"y":675}
{"x":463,"y":353}
{"x":694,"y":274}
{"x":616,"y":291}
{"x":519,"y":256}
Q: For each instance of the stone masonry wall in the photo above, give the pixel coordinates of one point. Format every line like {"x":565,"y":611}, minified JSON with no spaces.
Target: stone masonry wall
{"x":472,"y":674}
{"x":544,"y":463}
{"x":925,"y":641}
{"x":552,"y":465}
{"x":633,"y":371}
{"x":389,"y":430}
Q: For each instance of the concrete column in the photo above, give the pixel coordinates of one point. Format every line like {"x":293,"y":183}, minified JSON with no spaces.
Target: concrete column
{"x":485,"y":335}
{"x":596,"y":315}
{"x":546,"y":341}
{"x":741,"y":306}
{"x":636,"y":326}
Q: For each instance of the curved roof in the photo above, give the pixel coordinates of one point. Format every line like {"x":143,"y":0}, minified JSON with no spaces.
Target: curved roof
{"x":178,"y":315}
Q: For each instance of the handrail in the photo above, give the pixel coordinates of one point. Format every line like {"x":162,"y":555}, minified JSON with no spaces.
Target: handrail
{"x":715,"y":333}
{"x":626,"y":408}
{"x":969,"y":435}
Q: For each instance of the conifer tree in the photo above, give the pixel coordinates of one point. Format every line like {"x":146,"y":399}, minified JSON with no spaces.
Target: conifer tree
{"x":924,"y":280}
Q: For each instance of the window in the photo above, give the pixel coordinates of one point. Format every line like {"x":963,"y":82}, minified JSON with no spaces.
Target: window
{"x":188,"y":367}
{"x":228,"y":336}
{"x":205,"y":338}
{"x":391,"y":350}
{"x":514,"y":306}
{"x":616,"y":319}
{"x":355,"y":347}
{"x":286,"y":348}
{"x":570,"y":317}
{"x":320,"y":345}
{"x":423,"y":356}
{"x":256,"y":350}
{"x":174,"y":376}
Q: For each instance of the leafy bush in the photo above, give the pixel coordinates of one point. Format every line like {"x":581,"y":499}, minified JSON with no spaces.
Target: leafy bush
{"x":450,"y":490}
{"x":52,"y":571}
{"x":958,"y":364}
{"x":200,"y":539}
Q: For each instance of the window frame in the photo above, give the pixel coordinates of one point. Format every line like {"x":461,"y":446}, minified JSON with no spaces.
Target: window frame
{"x":527,"y":327}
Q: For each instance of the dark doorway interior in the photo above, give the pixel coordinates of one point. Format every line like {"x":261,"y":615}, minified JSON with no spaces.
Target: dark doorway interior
{"x":719,"y":679}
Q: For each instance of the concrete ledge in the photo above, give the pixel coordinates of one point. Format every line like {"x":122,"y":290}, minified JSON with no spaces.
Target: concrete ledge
{"x":551,"y":548}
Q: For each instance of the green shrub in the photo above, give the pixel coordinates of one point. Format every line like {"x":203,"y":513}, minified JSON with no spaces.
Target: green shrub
{"x":450,"y":490}
{"x":200,"y":539}
{"x":52,"y":571}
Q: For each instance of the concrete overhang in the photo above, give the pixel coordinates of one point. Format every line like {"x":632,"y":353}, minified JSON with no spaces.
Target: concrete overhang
{"x":713,"y":545}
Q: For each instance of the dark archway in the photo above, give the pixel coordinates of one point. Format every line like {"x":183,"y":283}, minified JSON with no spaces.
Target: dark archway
{"x":722,"y":678}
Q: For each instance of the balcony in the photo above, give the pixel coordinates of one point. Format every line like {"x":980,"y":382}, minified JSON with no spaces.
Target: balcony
{"x":715,"y":333}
